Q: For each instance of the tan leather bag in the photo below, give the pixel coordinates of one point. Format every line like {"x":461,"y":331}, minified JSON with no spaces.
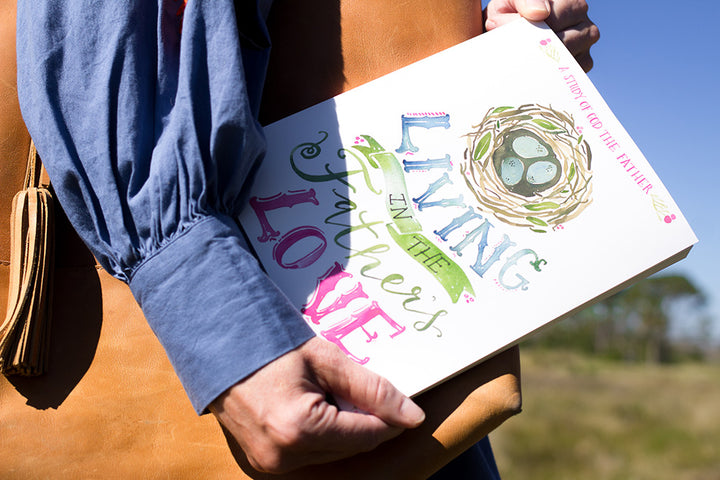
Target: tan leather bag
{"x":110,"y":405}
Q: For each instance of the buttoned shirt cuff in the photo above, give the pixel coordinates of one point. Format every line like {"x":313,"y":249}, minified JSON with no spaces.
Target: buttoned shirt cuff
{"x":216,"y":313}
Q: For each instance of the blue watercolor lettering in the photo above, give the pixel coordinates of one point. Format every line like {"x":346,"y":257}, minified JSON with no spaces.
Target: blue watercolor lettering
{"x":415,"y":165}
{"x":422,"y":202}
{"x":511,"y":262}
{"x":458,"y":222}
{"x":425,"y":122}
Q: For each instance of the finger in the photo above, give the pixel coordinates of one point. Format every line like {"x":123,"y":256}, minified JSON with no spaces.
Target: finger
{"x":323,"y":434}
{"x":585,"y":60}
{"x":337,"y":432}
{"x":500,"y":12}
{"x":566,"y":13}
{"x":579,"y":38}
{"x":365,"y":389}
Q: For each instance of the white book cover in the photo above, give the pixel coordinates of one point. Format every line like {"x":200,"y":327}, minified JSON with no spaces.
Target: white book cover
{"x":435,"y":216}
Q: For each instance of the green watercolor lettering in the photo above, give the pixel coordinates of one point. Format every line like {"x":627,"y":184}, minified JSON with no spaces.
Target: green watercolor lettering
{"x":311,"y":150}
{"x":368,"y":254}
{"x":414,"y":296}
{"x":344,"y":207}
{"x":422,"y":326}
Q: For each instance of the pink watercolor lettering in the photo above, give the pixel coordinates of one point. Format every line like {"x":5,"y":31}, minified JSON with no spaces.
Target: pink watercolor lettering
{"x":293,"y":237}
{"x":594,"y":120}
{"x":635,"y":173}
{"x":358,"y":320}
{"x":327,"y":284}
{"x":609,"y":141}
{"x":263,"y":205}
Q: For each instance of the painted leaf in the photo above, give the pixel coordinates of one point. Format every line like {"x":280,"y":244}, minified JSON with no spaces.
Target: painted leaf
{"x":536,"y":221}
{"x":536,"y":207}
{"x":482,"y":147}
{"x":580,"y":139}
{"x":545,"y":124}
{"x":501,"y":109}
{"x":571,"y":174}
{"x":537,"y":230}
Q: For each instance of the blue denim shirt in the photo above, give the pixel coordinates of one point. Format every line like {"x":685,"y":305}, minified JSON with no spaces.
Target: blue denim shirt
{"x":145,"y":115}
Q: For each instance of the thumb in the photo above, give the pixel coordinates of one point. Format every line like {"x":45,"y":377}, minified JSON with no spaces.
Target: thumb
{"x":535,"y":10}
{"x":500,"y":12}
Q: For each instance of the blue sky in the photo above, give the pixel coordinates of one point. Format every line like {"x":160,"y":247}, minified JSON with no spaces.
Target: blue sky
{"x":658,"y":66}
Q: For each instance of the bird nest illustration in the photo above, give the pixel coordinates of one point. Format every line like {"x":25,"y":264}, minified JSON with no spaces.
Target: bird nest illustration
{"x":529,"y":166}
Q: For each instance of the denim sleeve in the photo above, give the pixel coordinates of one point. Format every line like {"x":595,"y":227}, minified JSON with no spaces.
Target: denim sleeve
{"x":145,"y":116}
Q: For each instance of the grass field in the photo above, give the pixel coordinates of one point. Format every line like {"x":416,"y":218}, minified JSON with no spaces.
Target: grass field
{"x":586,"y":418}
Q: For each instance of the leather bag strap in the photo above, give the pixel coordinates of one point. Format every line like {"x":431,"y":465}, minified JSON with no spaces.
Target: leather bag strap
{"x":24,"y":334}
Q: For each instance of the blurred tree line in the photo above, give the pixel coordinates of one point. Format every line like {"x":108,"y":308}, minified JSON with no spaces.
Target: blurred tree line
{"x":635,"y":324}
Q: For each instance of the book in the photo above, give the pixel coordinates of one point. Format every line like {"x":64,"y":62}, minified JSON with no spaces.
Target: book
{"x":437,"y":215}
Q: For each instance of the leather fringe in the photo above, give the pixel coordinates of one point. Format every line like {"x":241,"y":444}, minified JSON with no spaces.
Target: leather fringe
{"x":25,"y":332}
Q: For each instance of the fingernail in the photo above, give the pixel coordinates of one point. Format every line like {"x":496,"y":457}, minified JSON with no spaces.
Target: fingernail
{"x":538,"y":5}
{"x":412,"y":412}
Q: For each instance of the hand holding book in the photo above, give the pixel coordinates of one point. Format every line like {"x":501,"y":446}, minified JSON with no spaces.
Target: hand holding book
{"x":282,"y":419}
{"x":511,"y":168}
{"x":567,"y":18}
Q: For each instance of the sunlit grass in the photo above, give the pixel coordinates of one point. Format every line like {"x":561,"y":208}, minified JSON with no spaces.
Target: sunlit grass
{"x":586,"y":418}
